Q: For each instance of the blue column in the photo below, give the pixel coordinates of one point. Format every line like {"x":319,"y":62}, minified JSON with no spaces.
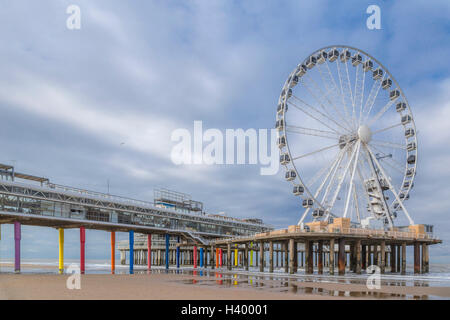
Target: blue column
{"x":201,"y":257}
{"x":131,"y":242}
{"x":178,"y":253}
{"x":167,"y":251}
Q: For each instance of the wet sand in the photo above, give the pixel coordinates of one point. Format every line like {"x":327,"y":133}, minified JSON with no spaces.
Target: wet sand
{"x":171,"y":286}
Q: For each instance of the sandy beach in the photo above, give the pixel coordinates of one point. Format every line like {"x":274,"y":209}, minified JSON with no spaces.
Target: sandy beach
{"x":161,"y":286}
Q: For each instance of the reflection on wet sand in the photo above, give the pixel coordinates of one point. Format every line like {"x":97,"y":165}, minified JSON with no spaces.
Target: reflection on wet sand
{"x":294,"y":286}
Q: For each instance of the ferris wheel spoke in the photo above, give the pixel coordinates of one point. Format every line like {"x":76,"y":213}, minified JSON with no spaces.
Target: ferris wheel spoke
{"x":356,"y":203}
{"x":387,"y":144}
{"x":349,"y":88}
{"x":381,"y":112}
{"x":394,"y":164}
{"x":361,"y":179}
{"x":314,"y":152}
{"x":387,"y":128}
{"x":332,"y":179}
{"x":351,"y":179}
{"x":344,"y":103}
{"x":322,"y":106}
{"x":312,"y":116}
{"x":336,"y":93}
{"x":308,"y":134}
{"x":312,"y":132}
{"x":361,"y":97}
{"x":372,"y":97}
{"x":391,"y":187}
{"x":335,"y":164}
{"x":331,"y":103}
{"x":341,"y":180}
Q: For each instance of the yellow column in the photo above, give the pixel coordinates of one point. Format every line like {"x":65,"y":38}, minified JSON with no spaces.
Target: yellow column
{"x":61,"y":250}
{"x":235,"y":257}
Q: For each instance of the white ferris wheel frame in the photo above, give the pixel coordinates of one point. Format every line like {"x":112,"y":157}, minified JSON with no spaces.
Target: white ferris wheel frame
{"x":361,"y":149}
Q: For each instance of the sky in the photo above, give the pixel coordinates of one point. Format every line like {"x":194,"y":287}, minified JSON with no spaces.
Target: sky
{"x":84,"y":107}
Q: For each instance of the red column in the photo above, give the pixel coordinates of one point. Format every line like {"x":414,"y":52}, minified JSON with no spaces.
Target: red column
{"x":82,"y":249}
{"x":195,"y":257}
{"x":149,"y":251}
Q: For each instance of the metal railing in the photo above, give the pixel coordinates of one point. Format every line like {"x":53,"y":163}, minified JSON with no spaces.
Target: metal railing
{"x":343,"y":231}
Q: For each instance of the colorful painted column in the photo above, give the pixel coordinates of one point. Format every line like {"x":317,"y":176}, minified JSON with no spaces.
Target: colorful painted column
{"x":217,"y":258}
{"x":149,"y":251}
{"x":235,"y":256}
{"x":61,"y":250}
{"x":17,"y":237}
{"x":113,"y":252}
{"x":82,"y":249}
{"x":195,"y":257}
{"x":201,"y":257}
{"x":167,"y":250}
{"x":131,"y":244}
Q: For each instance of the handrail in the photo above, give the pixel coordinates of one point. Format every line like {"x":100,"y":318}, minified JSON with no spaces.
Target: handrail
{"x":348,"y":231}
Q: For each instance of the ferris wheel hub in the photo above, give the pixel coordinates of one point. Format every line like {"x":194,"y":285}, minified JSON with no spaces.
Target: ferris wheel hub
{"x":364,"y":134}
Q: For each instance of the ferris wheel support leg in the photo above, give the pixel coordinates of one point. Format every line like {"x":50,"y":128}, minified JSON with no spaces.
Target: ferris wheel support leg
{"x":372,"y":166}
{"x":351,"y":179}
{"x":390,"y":186}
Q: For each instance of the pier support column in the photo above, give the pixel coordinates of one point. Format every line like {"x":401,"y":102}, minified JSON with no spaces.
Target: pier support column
{"x":246,"y":256}
{"x":358,"y":257}
{"x":393,"y":258}
{"x":320,"y":258}
{"x":261,"y":256}
{"x":167,"y":250}
{"x":331,"y":264}
{"x":383,"y":256}
{"x":212,"y":254}
{"x":217,"y":258}
{"x":286,"y":256}
{"x":291,"y":256}
{"x":341,"y":257}
{"x":403,"y":258}
{"x":425,"y":257}
{"x":229,"y":256}
{"x":363,"y":257}
{"x":194,"y":254}
{"x":220,"y":257}
{"x":17,"y":237}
{"x":131,"y":244}
{"x":113,"y":253}
{"x":82,"y":249}
{"x":271,"y":256}
{"x":61,"y":250}
{"x":236,"y":254}
{"x":202,"y":258}
{"x":178,"y":252}
{"x":399,"y":261}
{"x":416,"y":257}
{"x":149,"y":252}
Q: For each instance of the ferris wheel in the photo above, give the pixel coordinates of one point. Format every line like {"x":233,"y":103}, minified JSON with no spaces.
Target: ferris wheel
{"x":347,"y":138}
